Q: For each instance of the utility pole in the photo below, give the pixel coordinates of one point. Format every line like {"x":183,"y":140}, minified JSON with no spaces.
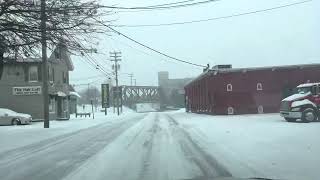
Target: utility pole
{"x":88,"y":93}
{"x":45,"y":91}
{"x":135,"y":82}
{"x":115,"y":56}
{"x":131,"y":76}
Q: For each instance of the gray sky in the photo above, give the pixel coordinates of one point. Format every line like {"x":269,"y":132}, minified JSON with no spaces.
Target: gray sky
{"x":280,"y":37}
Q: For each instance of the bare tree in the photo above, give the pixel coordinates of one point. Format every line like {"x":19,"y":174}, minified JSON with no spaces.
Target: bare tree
{"x":93,"y":93}
{"x":70,"y":22}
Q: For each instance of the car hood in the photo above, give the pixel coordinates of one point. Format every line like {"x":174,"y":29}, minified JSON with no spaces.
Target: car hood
{"x":234,"y":178}
{"x":296,"y":97}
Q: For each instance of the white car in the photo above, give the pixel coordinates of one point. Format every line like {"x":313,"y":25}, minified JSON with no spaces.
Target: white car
{"x":9,"y":117}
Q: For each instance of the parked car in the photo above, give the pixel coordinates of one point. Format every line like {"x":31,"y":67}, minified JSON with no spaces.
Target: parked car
{"x":9,"y":117}
{"x":303,"y":105}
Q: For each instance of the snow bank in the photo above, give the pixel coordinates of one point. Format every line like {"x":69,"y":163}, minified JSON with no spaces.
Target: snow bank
{"x":87,"y":108}
{"x":258,"y":145}
{"x":17,"y":136}
{"x":147,"y":107}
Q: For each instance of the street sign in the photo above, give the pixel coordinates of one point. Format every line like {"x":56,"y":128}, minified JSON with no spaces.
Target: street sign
{"x":105,"y":95}
{"x":28,"y":90}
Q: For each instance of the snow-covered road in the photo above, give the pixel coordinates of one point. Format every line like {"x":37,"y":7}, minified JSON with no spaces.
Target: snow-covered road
{"x":148,"y":146}
{"x":155,"y":148}
{"x":167,"y":145}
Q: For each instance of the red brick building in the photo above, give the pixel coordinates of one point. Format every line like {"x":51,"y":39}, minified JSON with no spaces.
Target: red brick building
{"x":226,"y":90}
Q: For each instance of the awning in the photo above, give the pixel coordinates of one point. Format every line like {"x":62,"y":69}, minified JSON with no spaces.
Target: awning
{"x":62,"y":94}
{"x":72,"y":93}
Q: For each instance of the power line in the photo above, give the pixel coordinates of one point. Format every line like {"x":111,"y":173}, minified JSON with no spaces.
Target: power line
{"x":92,"y":62}
{"x":162,"y":6}
{"x":85,"y":84}
{"x":91,"y":77}
{"x":179,"y":2}
{"x":96,"y":63}
{"x":215,"y":18}
{"x":140,"y":51}
{"x":100,"y":66}
{"x":152,"y":49}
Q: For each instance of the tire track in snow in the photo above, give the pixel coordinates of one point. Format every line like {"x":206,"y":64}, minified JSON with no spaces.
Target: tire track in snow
{"x":55,"y":158}
{"x":148,"y":145}
{"x":208,"y":165}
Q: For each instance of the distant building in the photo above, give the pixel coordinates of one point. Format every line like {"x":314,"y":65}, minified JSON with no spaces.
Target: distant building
{"x":21,"y":85}
{"x":171,"y":90}
{"x":227,"y":90}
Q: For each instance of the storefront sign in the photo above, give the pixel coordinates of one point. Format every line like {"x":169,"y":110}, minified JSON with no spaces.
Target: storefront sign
{"x":29,"y":90}
{"x":105,"y":95}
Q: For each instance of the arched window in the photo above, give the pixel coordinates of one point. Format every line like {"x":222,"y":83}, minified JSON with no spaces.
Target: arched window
{"x":259,"y":86}
{"x":229,"y":87}
{"x":260,"y":109}
{"x":230,"y":110}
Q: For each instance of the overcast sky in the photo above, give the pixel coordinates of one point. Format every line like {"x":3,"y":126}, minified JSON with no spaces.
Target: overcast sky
{"x":280,"y":37}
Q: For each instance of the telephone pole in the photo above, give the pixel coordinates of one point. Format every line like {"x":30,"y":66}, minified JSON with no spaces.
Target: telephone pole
{"x":115,"y":57}
{"x":45,"y":92}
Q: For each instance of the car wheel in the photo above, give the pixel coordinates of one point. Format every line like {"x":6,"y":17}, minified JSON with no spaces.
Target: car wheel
{"x":309,"y":115}
{"x":15,"y":122}
{"x":290,"y":119}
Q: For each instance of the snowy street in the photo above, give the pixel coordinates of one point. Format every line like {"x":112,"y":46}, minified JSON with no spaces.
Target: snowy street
{"x":160,"y":146}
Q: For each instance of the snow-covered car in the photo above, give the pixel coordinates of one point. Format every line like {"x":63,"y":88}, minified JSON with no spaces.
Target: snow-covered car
{"x":9,"y":117}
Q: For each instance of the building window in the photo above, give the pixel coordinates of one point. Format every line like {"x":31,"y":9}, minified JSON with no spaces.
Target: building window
{"x":260,"y":109}
{"x":64,"y":77}
{"x":230,"y":110}
{"x":51,"y":74}
{"x":52,"y":104}
{"x":57,"y":54}
{"x":33,"y":74}
{"x":259,"y":86}
{"x":229,"y":87}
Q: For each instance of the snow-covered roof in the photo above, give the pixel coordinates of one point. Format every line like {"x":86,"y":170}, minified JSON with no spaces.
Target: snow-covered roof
{"x":273,"y":68}
{"x":72,"y":93}
{"x":63,"y":51}
{"x":308,"y":85}
{"x":301,"y":66}
{"x":61,"y":94}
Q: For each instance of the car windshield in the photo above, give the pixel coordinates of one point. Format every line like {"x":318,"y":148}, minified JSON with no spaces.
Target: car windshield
{"x":159,"y":89}
{"x":304,"y":90}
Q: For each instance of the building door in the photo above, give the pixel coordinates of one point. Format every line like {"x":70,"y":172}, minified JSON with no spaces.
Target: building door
{"x":59,"y":107}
